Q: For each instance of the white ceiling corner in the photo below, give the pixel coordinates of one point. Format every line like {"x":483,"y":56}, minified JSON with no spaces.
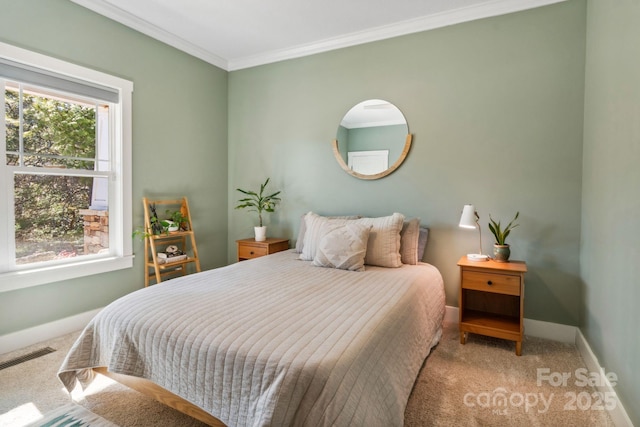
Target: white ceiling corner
{"x":239,"y":34}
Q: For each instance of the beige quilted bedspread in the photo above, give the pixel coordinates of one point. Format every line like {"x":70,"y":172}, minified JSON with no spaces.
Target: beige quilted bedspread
{"x":275,"y":341}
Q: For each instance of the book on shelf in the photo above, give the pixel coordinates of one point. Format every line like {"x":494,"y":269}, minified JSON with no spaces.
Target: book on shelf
{"x":170,"y":259}
{"x":167,"y":255}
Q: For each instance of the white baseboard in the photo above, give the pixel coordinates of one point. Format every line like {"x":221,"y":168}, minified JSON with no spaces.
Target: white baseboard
{"x":618,"y":415}
{"x":550,"y":331}
{"x":451,"y":314}
{"x":568,"y":334}
{"x":30,"y":336}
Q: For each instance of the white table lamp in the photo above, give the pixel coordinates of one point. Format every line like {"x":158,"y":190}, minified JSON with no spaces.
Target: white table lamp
{"x":469,"y":219}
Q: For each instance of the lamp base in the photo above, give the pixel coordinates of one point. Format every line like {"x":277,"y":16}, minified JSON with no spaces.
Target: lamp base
{"x":477,"y":257}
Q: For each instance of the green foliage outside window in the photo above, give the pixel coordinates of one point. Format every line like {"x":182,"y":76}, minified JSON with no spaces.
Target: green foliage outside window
{"x":55,"y":134}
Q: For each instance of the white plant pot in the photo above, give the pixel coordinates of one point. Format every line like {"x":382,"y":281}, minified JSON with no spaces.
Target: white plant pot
{"x":172,"y":226}
{"x":261,"y":233}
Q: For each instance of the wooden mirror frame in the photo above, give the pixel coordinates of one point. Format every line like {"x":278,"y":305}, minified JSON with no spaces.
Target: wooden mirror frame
{"x":393,"y":167}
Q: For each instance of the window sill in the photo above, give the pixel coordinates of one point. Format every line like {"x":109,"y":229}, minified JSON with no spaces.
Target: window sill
{"x":13,"y":280}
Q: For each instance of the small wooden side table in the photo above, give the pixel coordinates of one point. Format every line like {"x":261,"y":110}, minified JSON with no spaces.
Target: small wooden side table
{"x":249,"y":248}
{"x":491,"y":299}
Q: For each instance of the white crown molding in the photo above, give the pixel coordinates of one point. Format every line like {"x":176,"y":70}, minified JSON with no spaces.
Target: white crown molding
{"x":457,"y":16}
{"x":115,"y":13}
{"x":424,"y":23}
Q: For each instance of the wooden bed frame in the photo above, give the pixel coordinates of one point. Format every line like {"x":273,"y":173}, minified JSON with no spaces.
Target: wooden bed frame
{"x":151,"y":389}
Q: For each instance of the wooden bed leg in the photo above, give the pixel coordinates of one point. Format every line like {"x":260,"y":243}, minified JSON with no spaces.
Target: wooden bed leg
{"x":463,"y":337}
{"x":518,"y":348}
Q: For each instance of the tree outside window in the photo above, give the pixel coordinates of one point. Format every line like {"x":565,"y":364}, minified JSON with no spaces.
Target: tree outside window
{"x":49,"y":132}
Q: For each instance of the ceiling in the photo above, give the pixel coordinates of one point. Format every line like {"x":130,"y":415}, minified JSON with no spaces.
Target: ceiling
{"x":373,"y":112}
{"x":236,"y":34}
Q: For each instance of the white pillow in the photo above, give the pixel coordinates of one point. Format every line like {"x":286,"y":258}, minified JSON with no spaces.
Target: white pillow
{"x":342,"y":246}
{"x":312,"y":234}
{"x":303,"y":228}
{"x":409,"y":239}
{"x":383,"y":248}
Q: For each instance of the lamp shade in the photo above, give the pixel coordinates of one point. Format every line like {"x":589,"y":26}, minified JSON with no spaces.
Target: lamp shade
{"x":468,"y":218}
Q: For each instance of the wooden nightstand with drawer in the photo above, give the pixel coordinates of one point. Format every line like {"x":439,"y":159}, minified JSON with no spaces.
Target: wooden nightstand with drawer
{"x":491,"y":299}
{"x":249,"y":248}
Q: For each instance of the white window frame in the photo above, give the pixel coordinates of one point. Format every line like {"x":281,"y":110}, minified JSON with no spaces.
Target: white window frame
{"x":120,"y":241}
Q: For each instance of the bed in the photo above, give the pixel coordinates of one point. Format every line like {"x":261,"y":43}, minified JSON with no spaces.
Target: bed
{"x":272,"y":341}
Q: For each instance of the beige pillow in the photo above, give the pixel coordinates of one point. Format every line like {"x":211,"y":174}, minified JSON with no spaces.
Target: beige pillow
{"x":409,"y":238}
{"x":342,"y":246}
{"x":312,"y":234}
{"x":383,"y":248}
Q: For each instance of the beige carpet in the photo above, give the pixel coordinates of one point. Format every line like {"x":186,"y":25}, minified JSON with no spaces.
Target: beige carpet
{"x":464,"y":385}
{"x":482,"y":383}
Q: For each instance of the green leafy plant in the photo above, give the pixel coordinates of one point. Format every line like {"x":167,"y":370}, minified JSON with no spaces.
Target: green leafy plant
{"x":141,"y":233}
{"x":498,"y":232}
{"x":161,"y":226}
{"x":156,"y":226}
{"x":258,"y":202}
{"x":177,"y":218}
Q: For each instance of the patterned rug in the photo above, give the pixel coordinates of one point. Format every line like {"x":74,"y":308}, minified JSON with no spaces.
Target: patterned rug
{"x":72,"y":415}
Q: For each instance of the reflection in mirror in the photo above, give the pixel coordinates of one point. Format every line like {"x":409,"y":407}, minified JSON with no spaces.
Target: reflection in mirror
{"x":372,"y":139}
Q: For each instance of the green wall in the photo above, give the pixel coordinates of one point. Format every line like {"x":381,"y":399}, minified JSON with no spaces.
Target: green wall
{"x":495,"y":107}
{"x":610,"y":247}
{"x":179,"y":130}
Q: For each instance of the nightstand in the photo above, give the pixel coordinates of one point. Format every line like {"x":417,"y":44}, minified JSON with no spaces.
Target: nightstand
{"x":249,"y":248}
{"x":491,"y":299}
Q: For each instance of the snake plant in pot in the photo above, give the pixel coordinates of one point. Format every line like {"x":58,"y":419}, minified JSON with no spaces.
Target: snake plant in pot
{"x":501,"y":250}
{"x":259,"y":202}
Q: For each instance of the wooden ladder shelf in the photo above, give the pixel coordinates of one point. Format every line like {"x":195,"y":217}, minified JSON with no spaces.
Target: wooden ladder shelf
{"x":154,"y":244}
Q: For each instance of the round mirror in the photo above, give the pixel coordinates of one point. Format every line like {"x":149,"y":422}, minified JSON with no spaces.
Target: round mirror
{"x":372,"y":140}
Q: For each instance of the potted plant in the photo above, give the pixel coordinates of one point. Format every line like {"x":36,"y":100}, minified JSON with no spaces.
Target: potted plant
{"x":259,"y":202}
{"x":176,"y":221}
{"x":501,"y":250}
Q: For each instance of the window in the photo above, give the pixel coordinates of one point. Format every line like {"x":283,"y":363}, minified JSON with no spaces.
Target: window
{"x":65,"y":188}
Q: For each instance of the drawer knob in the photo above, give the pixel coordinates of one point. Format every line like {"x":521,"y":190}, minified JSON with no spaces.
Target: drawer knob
{"x":489,"y":282}
{"x":251,"y":253}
